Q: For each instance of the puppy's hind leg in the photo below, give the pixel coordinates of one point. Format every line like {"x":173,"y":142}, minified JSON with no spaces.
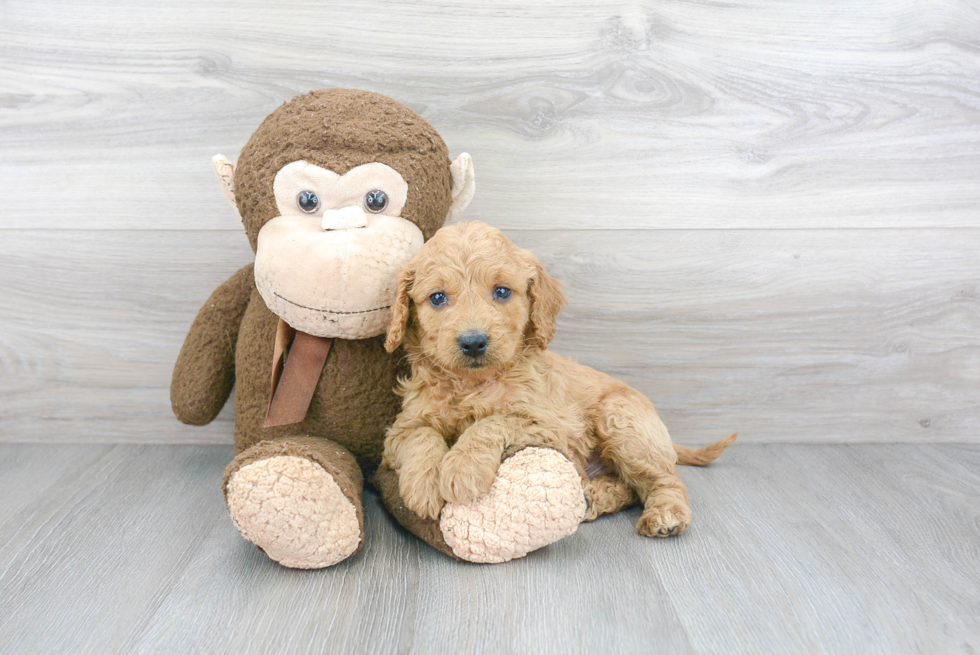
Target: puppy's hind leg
{"x":634,"y":439}
{"x":607,"y":494}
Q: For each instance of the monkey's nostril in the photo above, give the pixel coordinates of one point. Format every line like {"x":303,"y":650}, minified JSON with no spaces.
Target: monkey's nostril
{"x":473,"y":343}
{"x":345,"y":218}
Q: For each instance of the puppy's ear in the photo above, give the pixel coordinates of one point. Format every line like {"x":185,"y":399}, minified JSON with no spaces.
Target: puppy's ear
{"x":398,"y":322}
{"x":547,"y":301}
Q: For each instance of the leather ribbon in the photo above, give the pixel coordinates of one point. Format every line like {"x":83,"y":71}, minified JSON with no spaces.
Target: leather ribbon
{"x":297,"y":363}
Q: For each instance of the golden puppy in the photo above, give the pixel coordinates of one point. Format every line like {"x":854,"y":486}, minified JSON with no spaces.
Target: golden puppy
{"x":476,"y":314}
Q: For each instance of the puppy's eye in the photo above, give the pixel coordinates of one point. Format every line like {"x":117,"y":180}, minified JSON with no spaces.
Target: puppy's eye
{"x":501,"y":293}
{"x":438,"y":299}
{"x":376,"y":201}
{"x":308,"y":202}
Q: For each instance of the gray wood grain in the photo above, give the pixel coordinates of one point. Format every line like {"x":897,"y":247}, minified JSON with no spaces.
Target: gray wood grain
{"x":92,"y":325}
{"x":785,"y":335}
{"x":835,"y":549}
{"x":795,"y":548}
{"x":695,"y":172}
{"x":115,"y":531}
{"x":624,"y":114}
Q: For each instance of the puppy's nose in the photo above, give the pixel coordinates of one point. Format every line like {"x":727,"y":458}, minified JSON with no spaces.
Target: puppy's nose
{"x":473,"y":343}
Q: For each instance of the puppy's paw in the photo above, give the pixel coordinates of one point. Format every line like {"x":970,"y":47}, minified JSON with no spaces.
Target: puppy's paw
{"x":665,"y":518}
{"x":467,"y":473}
{"x":418,"y":483}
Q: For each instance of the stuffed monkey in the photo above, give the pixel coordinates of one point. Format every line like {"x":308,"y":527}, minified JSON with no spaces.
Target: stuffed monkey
{"x":336,"y":189}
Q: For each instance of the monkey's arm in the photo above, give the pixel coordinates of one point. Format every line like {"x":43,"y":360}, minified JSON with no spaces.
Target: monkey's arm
{"x":205,"y":369}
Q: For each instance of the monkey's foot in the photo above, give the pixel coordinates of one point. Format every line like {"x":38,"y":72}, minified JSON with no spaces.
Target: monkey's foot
{"x":293,"y":510}
{"x":535,"y":500}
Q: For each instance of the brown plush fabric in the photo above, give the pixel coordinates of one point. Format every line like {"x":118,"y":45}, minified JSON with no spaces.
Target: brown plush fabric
{"x":354,"y":402}
{"x":385,"y":480}
{"x":205,"y":369}
{"x":232,"y":340}
{"x":361,"y":127}
{"x":335,"y":460}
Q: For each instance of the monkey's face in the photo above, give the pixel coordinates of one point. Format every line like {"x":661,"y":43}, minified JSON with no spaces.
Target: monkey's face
{"x":328,"y":263}
{"x":337,"y":189}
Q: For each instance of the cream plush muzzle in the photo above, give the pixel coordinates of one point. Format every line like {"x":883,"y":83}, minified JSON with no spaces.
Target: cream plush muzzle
{"x":334,"y":283}
{"x":333,"y":272}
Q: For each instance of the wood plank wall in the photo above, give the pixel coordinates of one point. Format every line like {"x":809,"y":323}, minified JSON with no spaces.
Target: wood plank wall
{"x":767,"y":215}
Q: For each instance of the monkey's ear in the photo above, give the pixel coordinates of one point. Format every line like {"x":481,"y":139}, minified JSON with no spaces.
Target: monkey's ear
{"x":464,"y":185}
{"x":398,"y":321}
{"x":225,"y":170}
{"x":547,"y":301}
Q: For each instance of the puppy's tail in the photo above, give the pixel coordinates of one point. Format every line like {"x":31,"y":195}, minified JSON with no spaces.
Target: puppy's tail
{"x":702,"y":456}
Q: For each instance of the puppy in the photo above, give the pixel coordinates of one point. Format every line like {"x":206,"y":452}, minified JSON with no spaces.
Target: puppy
{"x":476,"y":314}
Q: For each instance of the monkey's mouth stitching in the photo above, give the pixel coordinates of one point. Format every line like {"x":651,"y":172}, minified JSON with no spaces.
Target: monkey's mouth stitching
{"x":327,"y":311}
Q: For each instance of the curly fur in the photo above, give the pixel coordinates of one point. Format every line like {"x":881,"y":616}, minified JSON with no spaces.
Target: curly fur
{"x":460,"y":414}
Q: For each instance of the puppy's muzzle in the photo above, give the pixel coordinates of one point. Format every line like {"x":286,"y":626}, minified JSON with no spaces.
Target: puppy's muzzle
{"x":474,"y":343}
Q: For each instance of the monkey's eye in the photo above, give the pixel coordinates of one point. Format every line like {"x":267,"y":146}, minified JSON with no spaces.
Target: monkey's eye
{"x":308,"y":202}
{"x":376,"y":201}
{"x":501,"y":293}
{"x":438,"y":299}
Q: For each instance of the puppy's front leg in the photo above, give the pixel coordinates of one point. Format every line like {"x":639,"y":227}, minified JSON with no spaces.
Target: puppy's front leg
{"x":468,"y":469}
{"x":415,"y":453}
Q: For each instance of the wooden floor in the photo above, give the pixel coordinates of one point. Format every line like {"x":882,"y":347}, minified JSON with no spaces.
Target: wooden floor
{"x":795,"y":549}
